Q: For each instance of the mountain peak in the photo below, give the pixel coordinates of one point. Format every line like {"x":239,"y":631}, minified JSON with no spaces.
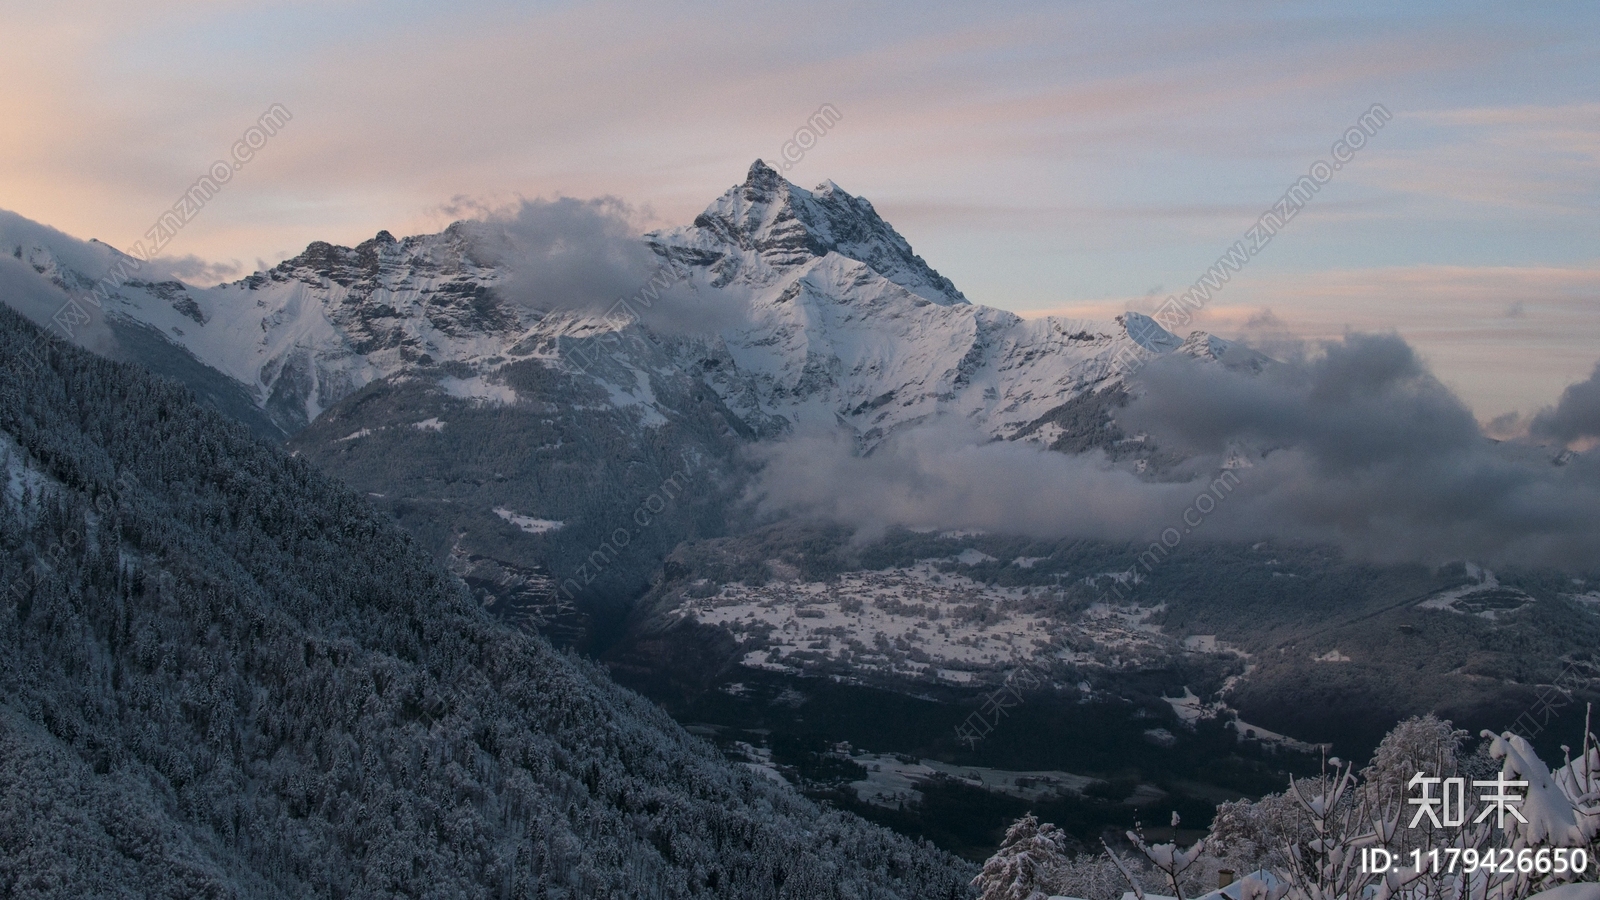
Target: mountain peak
{"x":1148,"y":333}
{"x":785,"y":226}
{"x":763,"y":175}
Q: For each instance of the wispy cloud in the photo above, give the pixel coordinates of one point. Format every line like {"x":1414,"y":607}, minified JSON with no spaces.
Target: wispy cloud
{"x":1506,"y":338}
{"x":1508,"y":159}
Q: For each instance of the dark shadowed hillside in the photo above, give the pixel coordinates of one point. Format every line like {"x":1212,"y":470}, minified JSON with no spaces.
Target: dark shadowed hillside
{"x":221,"y":674}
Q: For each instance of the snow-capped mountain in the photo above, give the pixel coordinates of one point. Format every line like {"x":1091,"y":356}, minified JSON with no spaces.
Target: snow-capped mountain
{"x":431,"y":374}
{"x":767,"y":227}
{"x":843,"y":322}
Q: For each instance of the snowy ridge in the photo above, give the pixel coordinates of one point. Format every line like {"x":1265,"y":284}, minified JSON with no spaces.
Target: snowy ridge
{"x":844,"y":323}
{"x":767,"y":227}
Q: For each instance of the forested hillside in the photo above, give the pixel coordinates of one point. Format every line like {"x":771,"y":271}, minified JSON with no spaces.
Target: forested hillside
{"x":223,"y":675}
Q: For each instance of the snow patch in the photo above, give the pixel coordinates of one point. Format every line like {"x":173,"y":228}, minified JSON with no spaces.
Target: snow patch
{"x":20,"y":473}
{"x":1486,"y":599}
{"x":759,"y":761}
{"x":1046,"y":434}
{"x":1590,"y":599}
{"x":1161,"y":737}
{"x":478,"y":388}
{"x":638,"y":396}
{"x":1248,"y":732}
{"x":429,"y":424}
{"x":892,"y":780}
{"x":528,"y":523}
{"x":1190,"y":709}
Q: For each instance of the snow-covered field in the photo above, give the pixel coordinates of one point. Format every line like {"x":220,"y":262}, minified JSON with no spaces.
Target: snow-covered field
{"x":1488,"y":598}
{"x":529,"y":524}
{"x":919,"y":622}
{"x":1591,"y":599}
{"x":1191,"y":710}
{"x":892,"y":780}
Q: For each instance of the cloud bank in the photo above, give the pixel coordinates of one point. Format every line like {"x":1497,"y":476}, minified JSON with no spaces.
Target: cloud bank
{"x":1357,"y":445}
{"x":1575,"y":417}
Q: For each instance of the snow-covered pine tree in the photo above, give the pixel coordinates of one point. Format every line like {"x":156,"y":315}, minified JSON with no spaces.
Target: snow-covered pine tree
{"x":1027,"y":864}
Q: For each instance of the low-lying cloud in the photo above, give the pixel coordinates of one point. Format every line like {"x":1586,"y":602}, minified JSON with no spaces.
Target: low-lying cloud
{"x":26,"y":289}
{"x":946,"y":475}
{"x":1363,"y":447}
{"x":1357,"y":445}
{"x":586,"y":256}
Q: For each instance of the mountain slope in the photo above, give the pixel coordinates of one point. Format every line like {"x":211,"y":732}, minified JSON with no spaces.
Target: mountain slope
{"x":224,"y":675}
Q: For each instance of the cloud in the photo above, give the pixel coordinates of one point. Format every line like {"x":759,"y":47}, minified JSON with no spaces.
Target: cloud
{"x":1356,"y":445}
{"x":1505,"y":338}
{"x":191,"y":269}
{"x":1362,"y":447}
{"x":22,"y":289}
{"x":585,"y":256}
{"x":25,"y":288}
{"x":946,"y":475}
{"x":564,"y":253}
{"x":1507,"y":426}
{"x":1575,"y":417}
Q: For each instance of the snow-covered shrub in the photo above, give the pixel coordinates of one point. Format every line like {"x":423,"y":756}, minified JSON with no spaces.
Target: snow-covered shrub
{"x":1093,"y":876}
{"x":1310,"y":839}
{"x":1176,"y":865}
{"x":1249,"y":835}
{"x":1027,"y":863}
{"x":1424,"y":744}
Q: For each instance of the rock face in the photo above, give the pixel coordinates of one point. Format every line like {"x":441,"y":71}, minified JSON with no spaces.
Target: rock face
{"x":786,"y":227}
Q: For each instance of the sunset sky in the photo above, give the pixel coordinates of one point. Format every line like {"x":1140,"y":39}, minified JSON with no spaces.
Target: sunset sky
{"x":1080,"y":159}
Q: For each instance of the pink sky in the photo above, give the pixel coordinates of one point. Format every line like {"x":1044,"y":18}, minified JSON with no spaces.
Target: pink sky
{"x":1086,"y":159}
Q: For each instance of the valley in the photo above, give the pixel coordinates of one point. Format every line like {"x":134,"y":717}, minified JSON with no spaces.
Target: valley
{"x":592,"y":472}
